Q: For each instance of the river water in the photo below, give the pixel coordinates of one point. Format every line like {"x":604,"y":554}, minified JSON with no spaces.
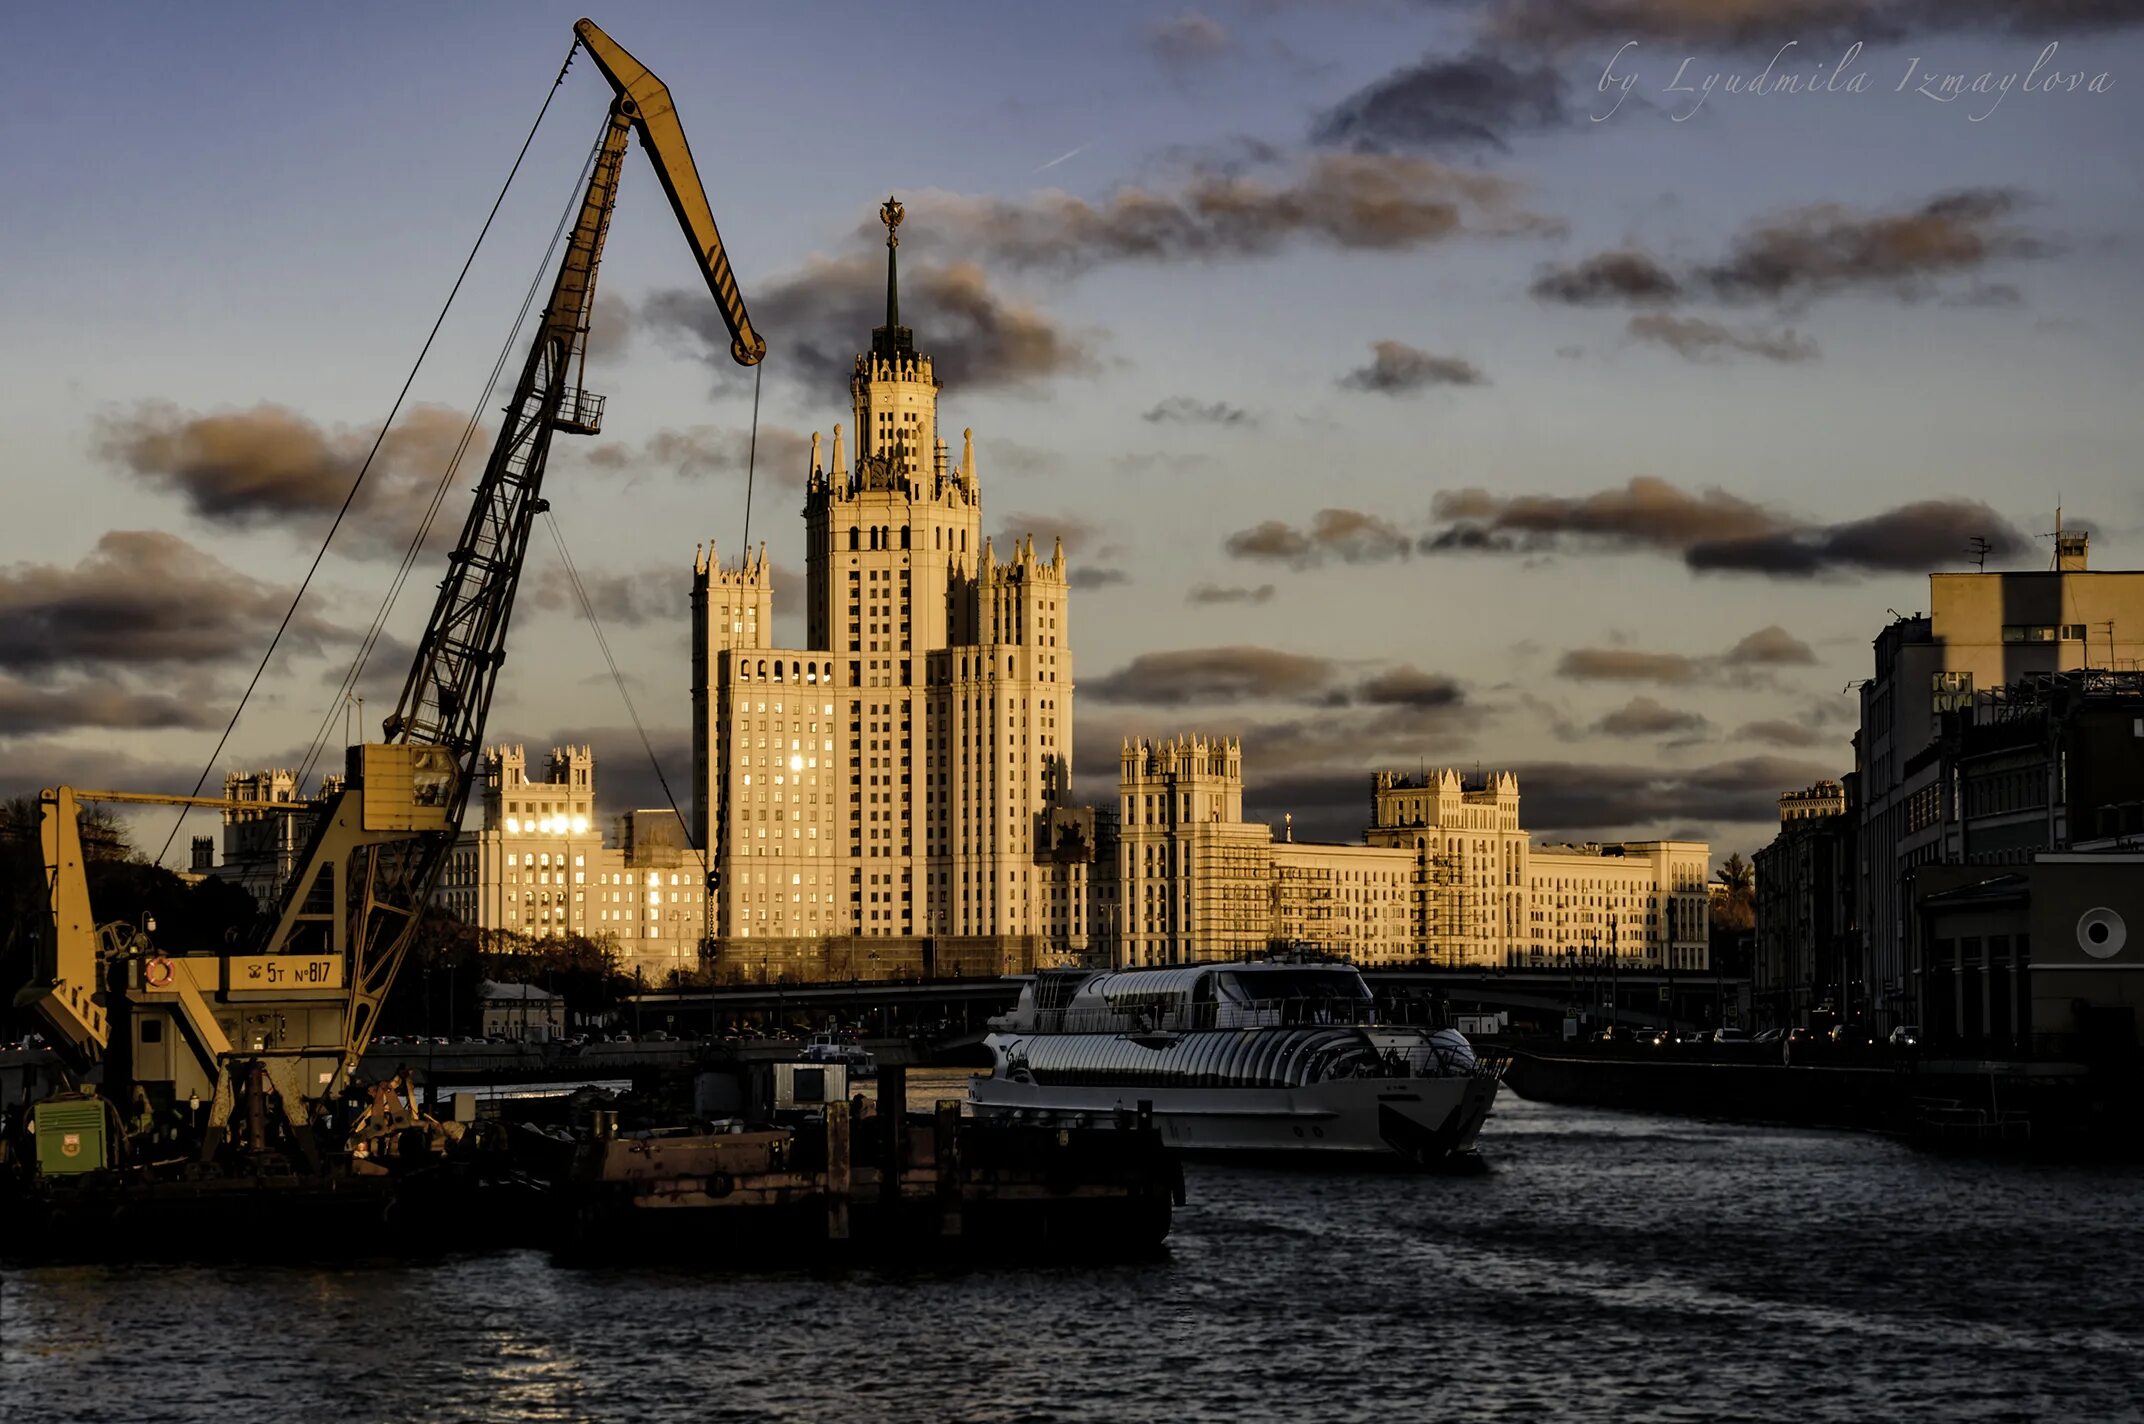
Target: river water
{"x":1607,"y":1266}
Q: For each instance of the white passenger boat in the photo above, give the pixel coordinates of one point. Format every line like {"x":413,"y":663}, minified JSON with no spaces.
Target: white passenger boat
{"x":1256,"y":1058}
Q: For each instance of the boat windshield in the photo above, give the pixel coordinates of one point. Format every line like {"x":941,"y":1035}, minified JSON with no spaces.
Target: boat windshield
{"x":1270,"y":984}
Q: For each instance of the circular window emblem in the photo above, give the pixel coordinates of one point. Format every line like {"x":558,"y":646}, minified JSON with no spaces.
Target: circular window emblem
{"x":2101,"y":933}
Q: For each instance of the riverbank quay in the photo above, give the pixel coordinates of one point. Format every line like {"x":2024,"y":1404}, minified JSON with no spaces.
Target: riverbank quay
{"x":2020,"y":1107}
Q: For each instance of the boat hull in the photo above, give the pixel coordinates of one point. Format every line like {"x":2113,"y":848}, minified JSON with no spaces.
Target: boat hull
{"x":1403,"y":1121}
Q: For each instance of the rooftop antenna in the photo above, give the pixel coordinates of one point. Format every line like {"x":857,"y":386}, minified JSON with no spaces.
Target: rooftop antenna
{"x":2055,"y":559}
{"x":1976,"y":549}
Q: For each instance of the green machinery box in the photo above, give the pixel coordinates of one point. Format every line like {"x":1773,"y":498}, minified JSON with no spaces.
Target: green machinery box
{"x":71,"y":1135}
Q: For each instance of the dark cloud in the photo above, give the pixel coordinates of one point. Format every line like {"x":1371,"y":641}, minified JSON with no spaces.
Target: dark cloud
{"x":694,"y":452}
{"x":1629,"y":665}
{"x":1828,"y":247}
{"x":1791,"y":258}
{"x":1080,"y":535}
{"x":1644,"y":717}
{"x":1399,"y":369}
{"x":1771,"y":646}
{"x":822,"y":316}
{"x":1608,"y":278}
{"x":1558,"y":25}
{"x":652,"y":595}
{"x":1593,"y":799}
{"x":1410,"y":688}
{"x":1744,"y":664}
{"x":142,"y":599}
{"x":26,"y":710}
{"x":1646,"y":513}
{"x":1532,"y":26}
{"x":34,"y":763}
{"x":1197,"y":412}
{"x":1353,"y":201}
{"x":1215,"y":675}
{"x":1713,"y":531}
{"x":1186,"y":39}
{"x":1090,"y":577}
{"x":1211,"y":593}
{"x":1780,"y":733}
{"x":1910,"y":539}
{"x":1465,"y":539}
{"x":270,"y":466}
{"x":1468,"y":101}
{"x":1348,"y":535}
{"x":1695,"y":339}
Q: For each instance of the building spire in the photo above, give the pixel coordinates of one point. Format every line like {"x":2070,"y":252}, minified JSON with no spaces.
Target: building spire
{"x":890,"y":214}
{"x":893,"y":341}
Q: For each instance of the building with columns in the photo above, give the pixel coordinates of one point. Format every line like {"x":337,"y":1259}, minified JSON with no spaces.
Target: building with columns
{"x":537,"y":865}
{"x":902,"y":774}
{"x":1447,"y":876}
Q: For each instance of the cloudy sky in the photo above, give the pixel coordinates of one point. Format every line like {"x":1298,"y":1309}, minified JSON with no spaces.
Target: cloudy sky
{"x":1562,"y":385}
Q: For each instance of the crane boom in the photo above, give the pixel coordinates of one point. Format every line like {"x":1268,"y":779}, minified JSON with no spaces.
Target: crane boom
{"x":648,"y":102}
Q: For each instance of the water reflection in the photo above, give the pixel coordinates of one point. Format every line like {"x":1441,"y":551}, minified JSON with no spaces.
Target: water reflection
{"x":1608,"y":1266}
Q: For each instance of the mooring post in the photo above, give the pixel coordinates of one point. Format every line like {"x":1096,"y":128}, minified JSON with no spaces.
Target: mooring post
{"x":945,"y":1147}
{"x":838,"y":1163}
{"x":893,"y":1140}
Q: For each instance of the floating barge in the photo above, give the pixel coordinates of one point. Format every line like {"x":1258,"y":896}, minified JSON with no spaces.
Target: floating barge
{"x":798,"y":1181}
{"x":892,"y":1183}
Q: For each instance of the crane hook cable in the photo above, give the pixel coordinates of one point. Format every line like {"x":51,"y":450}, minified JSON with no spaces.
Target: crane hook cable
{"x":410,"y":555}
{"x":588,"y":610}
{"x":358,"y":483}
{"x":751,"y":459}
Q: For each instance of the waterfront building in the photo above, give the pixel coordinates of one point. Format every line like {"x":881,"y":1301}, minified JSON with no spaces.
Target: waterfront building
{"x":1194,"y":878}
{"x":903,"y":775}
{"x":1446,"y":875}
{"x":261,"y":848}
{"x":1470,"y":877}
{"x":537,"y":865}
{"x":526,"y":1013}
{"x":2040,"y":957}
{"x":1805,"y":902}
{"x":1982,"y":631}
{"x":1640,"y":904}
{"x":2048,"y":771}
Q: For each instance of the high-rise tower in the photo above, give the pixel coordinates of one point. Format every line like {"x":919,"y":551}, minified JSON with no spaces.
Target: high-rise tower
{"x":896,"y":776}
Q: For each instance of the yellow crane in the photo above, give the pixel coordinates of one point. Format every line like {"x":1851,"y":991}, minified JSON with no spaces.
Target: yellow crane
{"x":290,"y":1017}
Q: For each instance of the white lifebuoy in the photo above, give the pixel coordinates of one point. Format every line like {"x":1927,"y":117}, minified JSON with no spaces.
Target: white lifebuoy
{"x":157,"y":972}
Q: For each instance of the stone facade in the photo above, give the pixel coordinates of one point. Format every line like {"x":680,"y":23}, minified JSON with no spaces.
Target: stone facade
{"x":905,"y":773}
{"x":1804,"y":908}
{"x":1470,"y":871}
{"x":538,"y":866}
{"x":1983,"y":631}
{"x":1447,"y":876}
